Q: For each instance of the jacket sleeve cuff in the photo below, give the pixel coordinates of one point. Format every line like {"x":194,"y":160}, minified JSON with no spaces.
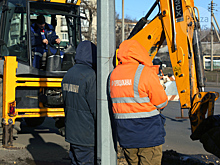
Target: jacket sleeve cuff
{"x":162,"y":105}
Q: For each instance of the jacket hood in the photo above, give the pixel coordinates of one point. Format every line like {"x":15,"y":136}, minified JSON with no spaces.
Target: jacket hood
{"x":131,"y":51}
{"x":86,"y":53}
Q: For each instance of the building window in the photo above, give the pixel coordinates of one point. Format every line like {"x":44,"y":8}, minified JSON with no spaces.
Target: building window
{"x":65,"y":36}
{"x":63,"y":22}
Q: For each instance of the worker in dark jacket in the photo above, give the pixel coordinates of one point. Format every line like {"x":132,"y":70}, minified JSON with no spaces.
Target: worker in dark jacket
{"x":42,"y":35}
{"x":79,"y":94}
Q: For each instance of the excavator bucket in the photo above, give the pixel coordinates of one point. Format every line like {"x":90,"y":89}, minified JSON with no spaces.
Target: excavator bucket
{"x":207,"y":130}
{"x":211,"y":137}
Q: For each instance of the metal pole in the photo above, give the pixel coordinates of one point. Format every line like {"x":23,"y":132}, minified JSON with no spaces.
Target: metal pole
{"x":212,"y":35}
{"x":106,"y":152}
{"x":123,"y":23}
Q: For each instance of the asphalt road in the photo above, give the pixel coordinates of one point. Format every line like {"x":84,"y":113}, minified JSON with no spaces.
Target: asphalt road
{"x":44,"y":146}
{"x":39,"y":146}
{"x":178,"y":129}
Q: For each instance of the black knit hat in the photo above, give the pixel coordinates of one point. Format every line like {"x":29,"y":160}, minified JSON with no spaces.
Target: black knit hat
{"x":40,"y":19}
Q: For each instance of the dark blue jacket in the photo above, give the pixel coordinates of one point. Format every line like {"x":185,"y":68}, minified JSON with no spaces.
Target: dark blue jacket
{"x":36,"y":38}
{"x":79,"y":94}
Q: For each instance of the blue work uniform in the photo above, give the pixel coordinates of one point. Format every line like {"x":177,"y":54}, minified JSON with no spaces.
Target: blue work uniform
{"x":79,"y":95}
{"x":38,"y":47}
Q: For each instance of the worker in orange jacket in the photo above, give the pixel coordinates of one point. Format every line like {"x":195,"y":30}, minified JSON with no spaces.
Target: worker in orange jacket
{"x":137,"y":98}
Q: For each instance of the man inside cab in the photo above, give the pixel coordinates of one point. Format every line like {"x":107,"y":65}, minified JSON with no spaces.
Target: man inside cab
{"x":42,"y":35}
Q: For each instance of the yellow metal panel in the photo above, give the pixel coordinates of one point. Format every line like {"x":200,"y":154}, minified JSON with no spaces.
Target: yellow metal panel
{"x":9,"y":84}
{"x":78,"y":2}
{"x":39,"y":84}
{"x":58,"y":1}
{"x":45,"y":114}
{"x":34,"y":110}
{"x":116,"y":58}
{"x":167,"y":20}
{"x":177,"y":41}
{"x":190,"y":2}
{"x":39,"y":79}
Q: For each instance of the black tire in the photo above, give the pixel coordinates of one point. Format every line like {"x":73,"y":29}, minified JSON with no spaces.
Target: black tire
{"x":34,"y":122}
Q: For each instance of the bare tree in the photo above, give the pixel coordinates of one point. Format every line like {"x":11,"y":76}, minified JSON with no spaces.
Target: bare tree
{"x":118,"y":30}
{"x":206,"y":36}
{"x":89,"y":11}
{"x":129,"y":25}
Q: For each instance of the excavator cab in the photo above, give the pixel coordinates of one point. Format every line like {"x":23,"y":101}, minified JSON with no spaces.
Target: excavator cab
{"x":17,"y":18}
{"x":33,"y":93}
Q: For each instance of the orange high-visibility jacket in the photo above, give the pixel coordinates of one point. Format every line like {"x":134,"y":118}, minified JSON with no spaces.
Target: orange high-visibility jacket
{"x":136,"y":95}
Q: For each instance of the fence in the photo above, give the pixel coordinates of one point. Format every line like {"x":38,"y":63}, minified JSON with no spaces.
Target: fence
{"x":212,"y":78}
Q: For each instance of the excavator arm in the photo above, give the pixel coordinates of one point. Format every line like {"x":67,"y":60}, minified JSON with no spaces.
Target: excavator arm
{"x":178,"y":23}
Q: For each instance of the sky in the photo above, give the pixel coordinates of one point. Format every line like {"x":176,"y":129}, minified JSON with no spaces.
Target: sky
{"x":135,"y":9}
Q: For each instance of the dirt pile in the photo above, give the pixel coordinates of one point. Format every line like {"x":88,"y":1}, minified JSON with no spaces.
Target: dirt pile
{"x":173,"y":158}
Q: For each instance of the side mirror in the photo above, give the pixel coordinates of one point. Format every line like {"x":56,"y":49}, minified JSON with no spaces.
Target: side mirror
{"x":2,"y":42}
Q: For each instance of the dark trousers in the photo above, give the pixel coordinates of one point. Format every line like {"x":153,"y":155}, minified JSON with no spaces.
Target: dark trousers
{"x":81,"y":155}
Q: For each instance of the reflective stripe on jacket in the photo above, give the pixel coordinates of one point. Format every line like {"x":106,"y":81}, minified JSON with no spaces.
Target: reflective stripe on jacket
{"x":137,"y":95}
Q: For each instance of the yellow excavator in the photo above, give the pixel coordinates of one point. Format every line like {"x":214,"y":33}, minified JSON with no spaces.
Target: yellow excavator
{"x":32,"y":93}
{"x":178,"y":22}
